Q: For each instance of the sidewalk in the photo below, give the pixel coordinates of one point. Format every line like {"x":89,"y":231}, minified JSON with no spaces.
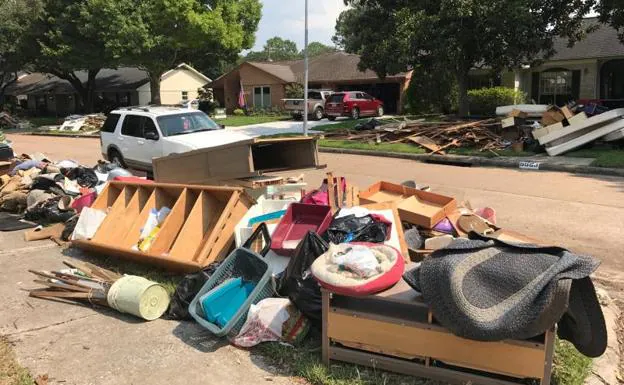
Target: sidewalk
{"x":78,"y":345}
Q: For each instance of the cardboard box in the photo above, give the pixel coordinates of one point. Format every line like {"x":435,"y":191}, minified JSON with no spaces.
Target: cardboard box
{"x":418,"y":207}
{"x":566,"y":112}
{"x":551,"y":117}
{"x":578,"y":118}
{"x":538,"y":133}
{"x":515,"y":113}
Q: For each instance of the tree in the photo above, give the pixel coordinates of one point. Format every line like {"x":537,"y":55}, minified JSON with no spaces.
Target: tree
{"x":74,"y":36}
{"x":275,"y":49}
{"x":612,"y":12}
{"x":158,"y":34}
{"x":395,"y":35}
{"x":316,"y":48}
{"x":17,"y":16}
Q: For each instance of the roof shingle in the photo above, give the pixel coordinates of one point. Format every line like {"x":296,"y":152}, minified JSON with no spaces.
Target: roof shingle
{"x":601,"y":43}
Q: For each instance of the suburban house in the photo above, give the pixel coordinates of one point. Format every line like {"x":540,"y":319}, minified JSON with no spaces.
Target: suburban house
{"x":590,"y":71}
{"x":264,"y":83}
{"x":47,"y":94}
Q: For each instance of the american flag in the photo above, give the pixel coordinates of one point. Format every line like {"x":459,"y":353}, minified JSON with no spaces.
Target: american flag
{"x":241,"y":97}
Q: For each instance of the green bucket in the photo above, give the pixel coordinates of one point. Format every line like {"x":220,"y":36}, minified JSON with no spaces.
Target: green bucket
{"x":138,"y":296}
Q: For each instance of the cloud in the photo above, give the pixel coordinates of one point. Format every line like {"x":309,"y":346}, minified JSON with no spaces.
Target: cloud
{"x":287,"y":20}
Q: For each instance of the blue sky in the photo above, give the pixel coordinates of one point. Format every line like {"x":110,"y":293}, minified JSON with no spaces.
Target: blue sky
{"x":285,"y":18}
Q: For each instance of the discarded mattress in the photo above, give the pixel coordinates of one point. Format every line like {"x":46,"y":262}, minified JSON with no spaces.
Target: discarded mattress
{"x":358,"y":268}
{"x":577,"y":130}
{"x":532,"y":110}
{"x":616,"y":135}
{"x":590,"y":136}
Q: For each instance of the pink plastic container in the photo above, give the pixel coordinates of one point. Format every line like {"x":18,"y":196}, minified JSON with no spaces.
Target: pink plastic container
{"x":299,"y":219}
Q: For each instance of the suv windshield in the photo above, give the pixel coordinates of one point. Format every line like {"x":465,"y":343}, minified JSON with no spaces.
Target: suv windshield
{"x":336,"y":98}
{"x":181,"y":124}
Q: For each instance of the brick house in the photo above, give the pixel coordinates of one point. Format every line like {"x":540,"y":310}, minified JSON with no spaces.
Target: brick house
{"x":264,"y":82}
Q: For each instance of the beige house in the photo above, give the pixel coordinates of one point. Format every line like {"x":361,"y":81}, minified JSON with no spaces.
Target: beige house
{"x":590,"y":71}
{"x":264,"y":83}
{"x":46,"y":94}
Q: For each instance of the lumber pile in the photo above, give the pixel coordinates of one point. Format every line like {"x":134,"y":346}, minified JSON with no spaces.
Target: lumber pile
{"x":433,"y":136}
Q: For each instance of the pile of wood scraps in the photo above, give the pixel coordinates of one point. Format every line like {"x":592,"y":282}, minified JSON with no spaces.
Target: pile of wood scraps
{"x":433,"y":136}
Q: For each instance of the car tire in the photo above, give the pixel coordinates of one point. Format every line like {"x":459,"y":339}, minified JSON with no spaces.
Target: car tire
{"x":114,"y":156}
{"x":318,"y":113}
{"x":297,"y":117}
{"x":331,"y":118}
{"x":355,"y":113}
{"x":380,"y":111}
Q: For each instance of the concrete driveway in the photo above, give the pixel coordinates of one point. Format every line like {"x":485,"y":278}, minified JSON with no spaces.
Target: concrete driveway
{"x":280,"y":127}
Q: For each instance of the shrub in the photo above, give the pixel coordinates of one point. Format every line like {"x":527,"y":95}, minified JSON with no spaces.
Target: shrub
{"x":485,"y":100}
{"x":208,"y":107}
{"x":238,"y":112}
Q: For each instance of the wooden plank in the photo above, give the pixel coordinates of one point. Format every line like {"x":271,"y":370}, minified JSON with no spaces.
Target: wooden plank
{"x":116,"y":222}
{"x":411,"y":368}
{"x":340,"y":192}
{"x":173,"y":224}
{"x":550,"y":351}
{"x":331,"y":192}
{"x":498,"y":357}
{"x":325,"y":314}
{"x":427,"y":143}
{"x":200,"y":222}
{"x":349,"y":201}
{"x":107,"y":197}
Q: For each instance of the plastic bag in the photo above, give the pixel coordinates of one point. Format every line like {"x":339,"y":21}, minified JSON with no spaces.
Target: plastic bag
{"x":369,"y":228}
{"x":49,"y":212}
{"x":298,"y":283}
{"x":85,"y":177}
{"x":272,"y":319}
{"x":88,"y":224}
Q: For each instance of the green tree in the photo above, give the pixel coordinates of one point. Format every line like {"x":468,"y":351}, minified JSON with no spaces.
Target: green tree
{"x":612,"y":12}
{"x":74,"y":36}
{"x":275,"y":49}
{"x":316,"y":48}
{"x":17,"y":17}
{"x":158,"y":34}
{"x":394,"y":35}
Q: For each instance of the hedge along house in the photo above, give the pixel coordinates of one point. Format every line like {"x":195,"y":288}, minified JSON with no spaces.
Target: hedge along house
{"x":264,"y":83}
{"x":45,"y":94}
{"x":590,"y":71}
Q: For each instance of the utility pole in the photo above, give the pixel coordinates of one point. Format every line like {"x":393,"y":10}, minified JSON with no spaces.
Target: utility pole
{"x":305,"y":76}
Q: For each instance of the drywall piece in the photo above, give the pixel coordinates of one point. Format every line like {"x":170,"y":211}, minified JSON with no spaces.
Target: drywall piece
{"x":590,"y":136}
{"x":532,"y":110}
{"x":540,"y":132}
{"x":612,"y":137}
{"x":594,"y":121}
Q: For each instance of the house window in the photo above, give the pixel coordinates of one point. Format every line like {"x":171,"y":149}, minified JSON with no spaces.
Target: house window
{"x":262,"y":97}
{"x":184,"y":95}
{"x":556,"y":83}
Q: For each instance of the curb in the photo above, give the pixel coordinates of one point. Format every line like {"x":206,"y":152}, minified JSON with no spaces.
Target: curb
{"x":478,"y":161}
{"x":59,"y":136}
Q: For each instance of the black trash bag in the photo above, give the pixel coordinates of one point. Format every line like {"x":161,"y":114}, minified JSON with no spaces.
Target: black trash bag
{"x":85,"y":177}
{"x":353,"y":229}
{"x":186,"y":290}
{"x":298,"y":283}
{"x":191,"y":284}
{"x":48,"y":212}
{"x":70,"y":225}
{"x":43,"y":183}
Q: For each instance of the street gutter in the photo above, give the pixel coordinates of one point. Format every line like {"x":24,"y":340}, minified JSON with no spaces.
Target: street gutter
{"x":478,"y":161}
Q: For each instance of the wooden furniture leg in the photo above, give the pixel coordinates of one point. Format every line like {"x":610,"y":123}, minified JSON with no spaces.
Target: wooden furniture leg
{"x":325,"y":314}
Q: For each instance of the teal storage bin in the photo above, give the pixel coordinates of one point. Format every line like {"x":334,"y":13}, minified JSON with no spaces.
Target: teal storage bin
{"x":222,"y":303}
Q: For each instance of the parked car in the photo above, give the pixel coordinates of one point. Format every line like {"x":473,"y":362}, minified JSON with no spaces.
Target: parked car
{"x":316,"y":105}
{"x":133,"y":136}
{"x":354,"y":104}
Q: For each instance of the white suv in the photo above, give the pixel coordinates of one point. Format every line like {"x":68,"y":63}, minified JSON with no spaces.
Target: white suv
{"x":133,"y":136}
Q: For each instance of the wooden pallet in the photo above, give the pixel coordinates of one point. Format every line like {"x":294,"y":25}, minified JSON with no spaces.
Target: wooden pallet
{"x":396,"y":331}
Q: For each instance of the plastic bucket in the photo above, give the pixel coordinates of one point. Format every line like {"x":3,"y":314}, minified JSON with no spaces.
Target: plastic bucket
{"x":138,"y":296}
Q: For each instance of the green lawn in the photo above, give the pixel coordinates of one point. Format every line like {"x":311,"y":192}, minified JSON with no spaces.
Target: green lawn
{"x":237,"y":121}
{"x":390,"y":147}
{"x":45,"y":121}
{"x":604,"y":157}
{"x":569,"y":368}
{"x":11,"y":373}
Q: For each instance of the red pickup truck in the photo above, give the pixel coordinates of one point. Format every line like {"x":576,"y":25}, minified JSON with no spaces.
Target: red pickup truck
{"x":353,"y":104}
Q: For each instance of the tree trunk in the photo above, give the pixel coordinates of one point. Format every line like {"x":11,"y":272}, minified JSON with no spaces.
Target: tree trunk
{"x":462,"y":88}
{"x":90,"y":91}
{"x":8,"y":78}
{"x":86,"y":91}
{"x":154,"y":77}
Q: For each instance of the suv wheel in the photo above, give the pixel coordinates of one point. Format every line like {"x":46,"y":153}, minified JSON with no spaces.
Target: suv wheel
{"x":380,"y":111}
{"x":115,"y":157}
{"x":355,"y":113}
{"x":318,"y":113}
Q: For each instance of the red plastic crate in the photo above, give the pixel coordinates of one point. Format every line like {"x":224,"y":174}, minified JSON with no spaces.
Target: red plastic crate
{"x":299,"y":219}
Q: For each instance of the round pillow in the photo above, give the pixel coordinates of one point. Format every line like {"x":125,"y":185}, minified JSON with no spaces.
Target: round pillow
{"x":340,"y":280}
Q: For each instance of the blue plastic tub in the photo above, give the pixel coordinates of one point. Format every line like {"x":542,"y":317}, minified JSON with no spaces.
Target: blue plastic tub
{"x":221,"y":303}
